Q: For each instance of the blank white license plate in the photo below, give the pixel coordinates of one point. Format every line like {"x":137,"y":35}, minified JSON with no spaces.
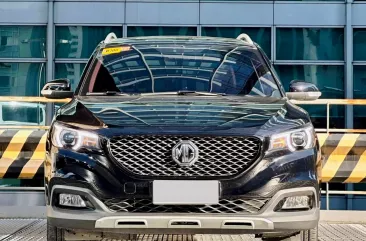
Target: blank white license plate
{"x":185,"y":192}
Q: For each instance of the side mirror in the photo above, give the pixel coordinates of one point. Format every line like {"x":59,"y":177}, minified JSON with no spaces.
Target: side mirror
{"x":57,"y":89}
{"x":301,"y":90}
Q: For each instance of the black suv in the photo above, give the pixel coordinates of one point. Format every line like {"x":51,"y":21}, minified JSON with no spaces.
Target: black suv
{"x":181,"y":135}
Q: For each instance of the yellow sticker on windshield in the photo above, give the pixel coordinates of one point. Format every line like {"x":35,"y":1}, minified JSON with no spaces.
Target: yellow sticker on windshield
{"x":116,"y":50}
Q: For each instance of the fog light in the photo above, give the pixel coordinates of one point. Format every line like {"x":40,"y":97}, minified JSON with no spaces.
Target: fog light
{"x":296,"y":202}
{"x":71,"y":200}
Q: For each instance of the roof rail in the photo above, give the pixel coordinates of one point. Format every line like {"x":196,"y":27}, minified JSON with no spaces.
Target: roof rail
{"x":110,"y":37}
{"x":245,"y":37}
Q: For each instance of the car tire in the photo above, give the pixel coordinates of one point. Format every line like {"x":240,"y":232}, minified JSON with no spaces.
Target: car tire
{"x":55,"y":234}
{"x":306,"y":235}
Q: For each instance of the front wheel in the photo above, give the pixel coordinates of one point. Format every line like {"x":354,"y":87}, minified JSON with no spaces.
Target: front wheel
{"x":306,"y":235}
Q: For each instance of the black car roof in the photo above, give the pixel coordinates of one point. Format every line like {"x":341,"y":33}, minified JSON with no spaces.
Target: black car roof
{"x":179,"y":40}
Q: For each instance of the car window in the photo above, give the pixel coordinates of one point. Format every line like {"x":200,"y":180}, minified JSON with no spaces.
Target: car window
{"x":166,"y":67}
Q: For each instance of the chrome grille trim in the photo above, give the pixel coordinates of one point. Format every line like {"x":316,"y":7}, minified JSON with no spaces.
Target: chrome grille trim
{"x":237,"y":205}
{"x":150,"y":155}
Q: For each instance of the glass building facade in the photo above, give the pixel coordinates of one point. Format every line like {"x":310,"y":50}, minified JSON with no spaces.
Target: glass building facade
{"x":323,"y":42}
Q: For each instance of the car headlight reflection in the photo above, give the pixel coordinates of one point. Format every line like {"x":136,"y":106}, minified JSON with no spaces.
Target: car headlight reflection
{"x":293,"y":140}
{"x":64,"y":137}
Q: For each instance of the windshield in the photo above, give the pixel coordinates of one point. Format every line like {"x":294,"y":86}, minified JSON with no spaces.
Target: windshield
{"x":151,"y":67}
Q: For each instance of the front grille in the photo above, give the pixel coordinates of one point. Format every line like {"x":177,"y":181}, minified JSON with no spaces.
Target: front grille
{"x":151,"y":155}
{"x":225,"y":206}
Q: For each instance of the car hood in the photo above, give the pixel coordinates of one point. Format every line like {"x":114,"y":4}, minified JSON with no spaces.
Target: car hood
{"x":186,"y":113}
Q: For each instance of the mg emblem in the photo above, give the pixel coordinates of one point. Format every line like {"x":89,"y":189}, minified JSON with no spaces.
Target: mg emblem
{"x":185,"y":153}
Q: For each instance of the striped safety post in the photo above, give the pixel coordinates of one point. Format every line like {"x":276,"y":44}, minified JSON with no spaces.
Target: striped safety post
{"x":344,"y":157}
{"x":22,"y":153}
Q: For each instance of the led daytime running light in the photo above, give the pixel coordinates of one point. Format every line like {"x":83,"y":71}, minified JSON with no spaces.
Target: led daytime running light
{"x":285,"y":141}
{"x":62,"y":135}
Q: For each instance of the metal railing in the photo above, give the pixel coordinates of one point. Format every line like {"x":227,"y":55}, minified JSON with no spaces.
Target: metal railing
{"x":326,"y":102}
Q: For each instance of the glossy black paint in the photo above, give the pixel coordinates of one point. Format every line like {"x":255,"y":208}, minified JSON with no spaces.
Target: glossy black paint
{"x":302,"y":86}
{"x":57,"y":89}
{"x":188,"y":112}
{"x":99,"y":172}
{"x":180,"y":115}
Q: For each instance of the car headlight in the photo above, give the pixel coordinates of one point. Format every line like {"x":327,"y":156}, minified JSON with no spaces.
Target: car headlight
{"x":293,"y":140}
{"x":64,"y":137}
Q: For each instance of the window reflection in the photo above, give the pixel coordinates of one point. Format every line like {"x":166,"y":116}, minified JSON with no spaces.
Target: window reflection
{"x":329,"y":80}
{"x":359,"y":86}
{"x":359,"y":46}
{"x":22,"y":113}
{"x":262,"y":35}
{"x":69,"y":71}
{"x":137,"y":31}
{"x":80,"y":41}
{"x":21,"y":79}
{"x":22,"y":42}
{"x":309,"y":44}
{"x":183,"y":65}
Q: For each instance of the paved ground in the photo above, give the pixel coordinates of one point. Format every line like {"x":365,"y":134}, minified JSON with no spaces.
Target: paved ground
{"x":35,"y":230}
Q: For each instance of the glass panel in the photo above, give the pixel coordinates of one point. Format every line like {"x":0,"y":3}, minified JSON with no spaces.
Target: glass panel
{"x":22,"y":113}
{"x":70,"y":71}
{"x":161,"y":66}
{"x":359,"y":46}
{"x":330,"y":81}
{"x":80,"y":41}
{"x":314,"y":0}
{"x":273,"y":0}
{"x":309,"y":44}
{"x":359,"y":86}
{"x":262,"y":36}
{"x":21,"y":79}
{"x":23,"y":42}
{"x":359,"y":186}
{"x":37,"y":181}
{"x":134,"y":31}
{"x":234,"y":0}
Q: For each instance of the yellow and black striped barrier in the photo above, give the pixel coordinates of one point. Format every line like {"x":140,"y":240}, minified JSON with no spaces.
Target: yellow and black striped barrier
{"x":344,"y":157}
{"x":22,"y":154}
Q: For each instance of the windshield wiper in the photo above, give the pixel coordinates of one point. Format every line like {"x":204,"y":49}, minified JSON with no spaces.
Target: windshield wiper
{"x":191,"y":92}
{"x":107,"y":93}
{"x":186,"y":92}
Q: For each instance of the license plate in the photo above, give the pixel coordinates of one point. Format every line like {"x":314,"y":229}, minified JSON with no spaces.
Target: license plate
{"x":185,"y":192}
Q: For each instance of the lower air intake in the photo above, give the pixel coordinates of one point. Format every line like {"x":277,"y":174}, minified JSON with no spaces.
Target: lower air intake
{"x":225,"y":206}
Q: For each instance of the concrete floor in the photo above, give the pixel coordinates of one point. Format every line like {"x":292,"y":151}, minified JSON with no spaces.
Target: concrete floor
{"x":35,"y":230}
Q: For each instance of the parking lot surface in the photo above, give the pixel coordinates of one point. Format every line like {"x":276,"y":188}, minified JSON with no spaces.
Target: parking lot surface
{"x":35,"y":230}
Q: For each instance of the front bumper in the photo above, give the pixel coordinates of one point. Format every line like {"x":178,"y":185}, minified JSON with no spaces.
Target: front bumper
{"x":103,"y":220}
